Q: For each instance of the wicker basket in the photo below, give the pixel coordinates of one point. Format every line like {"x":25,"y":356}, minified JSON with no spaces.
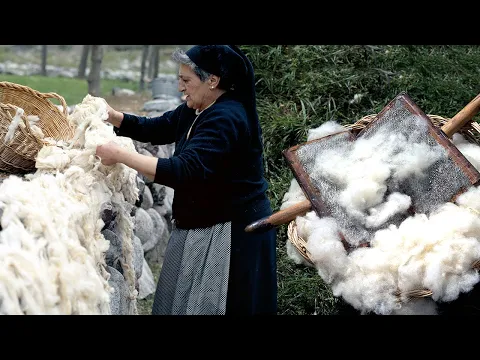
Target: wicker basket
{"x":18,"y":156}
{"x":470,"y":131}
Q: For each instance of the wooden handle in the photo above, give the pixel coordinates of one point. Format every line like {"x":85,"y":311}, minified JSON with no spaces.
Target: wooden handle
{"x":280,"y":217}
{"x":463,"y":117}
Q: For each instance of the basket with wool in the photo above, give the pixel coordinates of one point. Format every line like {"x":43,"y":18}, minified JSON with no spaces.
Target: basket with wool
{"x":28,"y":119}
{"x":471,"y":132}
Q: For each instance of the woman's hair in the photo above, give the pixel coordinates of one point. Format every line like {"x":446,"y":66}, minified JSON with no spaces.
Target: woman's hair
{"x":180,"y":57}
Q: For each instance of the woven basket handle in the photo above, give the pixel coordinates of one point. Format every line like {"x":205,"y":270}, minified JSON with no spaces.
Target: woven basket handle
{"x":58,"y":97}
{"x":38,"y":94}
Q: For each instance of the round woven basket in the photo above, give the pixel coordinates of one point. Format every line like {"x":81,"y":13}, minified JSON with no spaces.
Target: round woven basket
{"x":18,"y":156}
{"x":470,"y":131}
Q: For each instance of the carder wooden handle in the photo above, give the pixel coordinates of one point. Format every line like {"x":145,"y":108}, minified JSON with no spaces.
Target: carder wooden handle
{"x":463,"y":117}
{"x":280,"y":217}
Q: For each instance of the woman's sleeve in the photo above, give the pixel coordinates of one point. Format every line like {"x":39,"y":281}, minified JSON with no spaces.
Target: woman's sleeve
{"x":159,"y":130}
{"x":203,"y":156}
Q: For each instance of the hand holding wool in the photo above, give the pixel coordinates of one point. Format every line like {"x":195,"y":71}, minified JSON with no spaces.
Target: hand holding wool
{"x":109,"y":153}
{"x":114,"y":117}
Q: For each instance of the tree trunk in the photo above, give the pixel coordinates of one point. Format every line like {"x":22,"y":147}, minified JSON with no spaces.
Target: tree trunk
{"x":149,"y":63}
{"x":156,"y":64}
{"x":143,"y":67}
{"x":44,"y":60}
{"x":82,"y":68}
{"x":96,"y":66}
{"x":153,"y":62}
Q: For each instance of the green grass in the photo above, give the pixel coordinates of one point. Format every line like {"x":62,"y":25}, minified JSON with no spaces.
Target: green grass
{"x":72,"y":90}
{"x":144,"y":306}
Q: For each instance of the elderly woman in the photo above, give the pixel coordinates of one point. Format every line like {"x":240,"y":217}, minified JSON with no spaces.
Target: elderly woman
{"x":211,"y":265}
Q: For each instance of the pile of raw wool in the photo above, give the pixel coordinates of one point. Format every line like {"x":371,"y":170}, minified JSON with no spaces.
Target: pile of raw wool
{"x":52,"y":252}
{"x":435,"y":251}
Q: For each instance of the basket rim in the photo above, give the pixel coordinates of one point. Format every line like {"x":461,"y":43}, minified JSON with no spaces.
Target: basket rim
{"x":38,"y":94}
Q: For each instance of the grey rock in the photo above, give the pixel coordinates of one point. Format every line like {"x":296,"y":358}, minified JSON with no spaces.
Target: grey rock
{"x":146,"y":283}
{"x":157,"y":253}
{"x":168,"y":199}
{"x":162,"y":210}
{"x":158,"y":229}
{"x":158,"y":193}
{"x":145,"y":152}
{"x":161,"y":105}
{"x":108,"y":215}
{"x":116,"y":91}
{"x":137,"y":256}
{"x":144,"y":228}
{"x":140,"y":184}
{"x":133,"y":211}
{"x":147,"y":199}
{"x":118,"y":299}
{"x":114,"y":253}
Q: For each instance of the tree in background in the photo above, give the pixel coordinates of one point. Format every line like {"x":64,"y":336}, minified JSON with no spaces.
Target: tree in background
{"x":143,"y":66}
{"x":96,"y":66}
{"x":153,"y":61}
{"x":82,"y":68}
{"x":43,"y":68}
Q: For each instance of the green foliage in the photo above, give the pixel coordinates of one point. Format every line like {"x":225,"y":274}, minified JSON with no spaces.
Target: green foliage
{"x":299,"y":87}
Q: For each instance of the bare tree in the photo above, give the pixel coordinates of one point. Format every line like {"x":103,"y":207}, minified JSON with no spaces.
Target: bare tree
{"x":143,"y":66}
{"x":153,"y":61}
{"x":156,"y":61}
{"x":44,"y":60}
{"x":149,"y":63}
{"x":82,"y":68}
{"x":96,"y":66}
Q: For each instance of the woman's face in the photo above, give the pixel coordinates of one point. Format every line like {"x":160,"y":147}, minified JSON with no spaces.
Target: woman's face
{"x":197,"y":93}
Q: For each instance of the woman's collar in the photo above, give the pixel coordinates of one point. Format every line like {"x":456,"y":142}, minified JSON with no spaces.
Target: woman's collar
{"x":199,"y":112}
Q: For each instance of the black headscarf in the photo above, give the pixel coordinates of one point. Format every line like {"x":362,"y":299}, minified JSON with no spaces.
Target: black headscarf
{"x":234,"y":69}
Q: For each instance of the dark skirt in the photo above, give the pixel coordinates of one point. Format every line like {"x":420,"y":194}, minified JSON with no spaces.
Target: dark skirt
{"x":252,"y":286}
{"x":219,"y":270}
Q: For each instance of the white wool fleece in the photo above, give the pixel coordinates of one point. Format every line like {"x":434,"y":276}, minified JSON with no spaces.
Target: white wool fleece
{"x":434,"y":252}
{"x":52,"y":252}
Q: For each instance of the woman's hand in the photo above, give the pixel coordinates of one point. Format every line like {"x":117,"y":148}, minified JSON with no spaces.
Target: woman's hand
{"x":110,"y":153}
{"x":114,"y":117}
